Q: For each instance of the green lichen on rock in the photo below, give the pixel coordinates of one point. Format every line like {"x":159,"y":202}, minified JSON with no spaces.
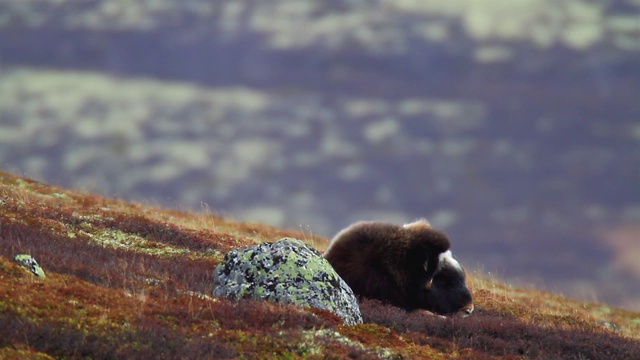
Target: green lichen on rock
{"x":286,"y":271}
{"x":30,"y":263}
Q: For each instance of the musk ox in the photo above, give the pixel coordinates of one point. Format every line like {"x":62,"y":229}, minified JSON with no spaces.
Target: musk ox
{"x":408,"y":266}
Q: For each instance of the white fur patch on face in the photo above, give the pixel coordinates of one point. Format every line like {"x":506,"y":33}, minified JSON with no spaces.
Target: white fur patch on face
{"x":447,"y":258}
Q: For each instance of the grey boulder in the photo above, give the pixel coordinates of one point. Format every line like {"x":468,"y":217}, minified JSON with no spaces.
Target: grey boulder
{"x":285,"y":271}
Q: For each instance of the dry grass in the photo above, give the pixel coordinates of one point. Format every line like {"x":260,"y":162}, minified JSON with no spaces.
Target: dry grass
{"x":126,"y":280}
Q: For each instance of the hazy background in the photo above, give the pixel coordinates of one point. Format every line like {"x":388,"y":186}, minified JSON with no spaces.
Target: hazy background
{"x":512,"y":125}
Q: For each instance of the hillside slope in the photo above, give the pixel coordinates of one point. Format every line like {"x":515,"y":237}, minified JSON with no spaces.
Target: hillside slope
{"x":324,"y":113}
{"x":125,"y":280}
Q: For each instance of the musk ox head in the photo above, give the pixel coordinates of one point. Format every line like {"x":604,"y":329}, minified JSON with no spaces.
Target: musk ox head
{"x":447,"y":293}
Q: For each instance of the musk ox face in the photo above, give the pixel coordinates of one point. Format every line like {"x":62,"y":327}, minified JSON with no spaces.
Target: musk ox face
{"x":448,"y":293}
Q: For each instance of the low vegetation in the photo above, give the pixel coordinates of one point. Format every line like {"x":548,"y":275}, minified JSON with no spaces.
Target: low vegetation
{"x":127,"y":280}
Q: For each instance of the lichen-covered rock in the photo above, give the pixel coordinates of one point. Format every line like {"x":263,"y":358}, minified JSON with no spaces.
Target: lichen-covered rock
{"x":285,"y":271}
{"x":30,"y":263}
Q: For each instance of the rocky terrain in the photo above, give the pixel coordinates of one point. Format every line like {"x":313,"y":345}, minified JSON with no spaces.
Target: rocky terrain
{"x":512,"y":125}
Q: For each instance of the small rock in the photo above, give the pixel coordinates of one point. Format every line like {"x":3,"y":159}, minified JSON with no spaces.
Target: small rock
{"x":285,"y":271}
{"x":609,"y":325}
{"x":30,"y":263}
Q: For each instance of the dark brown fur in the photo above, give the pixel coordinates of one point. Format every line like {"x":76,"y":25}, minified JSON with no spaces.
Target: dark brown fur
{"x":386,"y":262}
